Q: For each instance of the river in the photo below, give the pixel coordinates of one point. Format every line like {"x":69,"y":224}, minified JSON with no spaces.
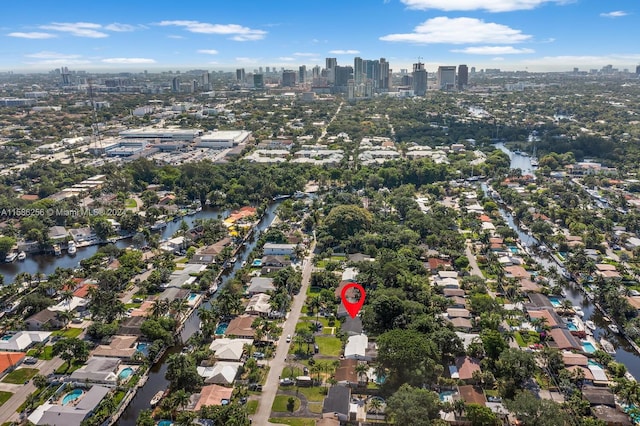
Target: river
{"x":625,"y":354}
{"x":156,"y":380}
{"x":47,"y":264}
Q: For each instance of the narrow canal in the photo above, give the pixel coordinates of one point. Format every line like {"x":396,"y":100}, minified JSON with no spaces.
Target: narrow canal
{"x":624,"y":352}
{"x":156,"y":380}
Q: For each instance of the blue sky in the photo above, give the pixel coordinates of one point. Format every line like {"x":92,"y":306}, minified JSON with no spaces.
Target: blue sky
{"x":537,"y":35}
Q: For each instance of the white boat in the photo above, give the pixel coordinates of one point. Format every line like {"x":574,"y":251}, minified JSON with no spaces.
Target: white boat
{"x":22,"y":255}
{"x":590,"y":325}
{"x":156,"y":398}
{"x":56,"y":250}
{"x":607,"y":346}
{"x":158,"y":225}
{"x":213,"y":288}
{"x":233,"y":259}
{"x":578,"y":311}
{"x":614,"y":328}
{"x":71,"y":248}
{"x":534,"y":162}
{"x":11,"y":257}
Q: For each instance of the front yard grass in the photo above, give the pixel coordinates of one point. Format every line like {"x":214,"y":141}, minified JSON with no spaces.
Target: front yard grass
{"x":45,"y":353}
{"x":330,"y":346}
{"x":20,"y":375}
{"x":4,"y":397}
{"x":282,"y":401}
{"x":293,"y":422}
{"x":69,"y":333}
{"x":314,"y":393}
{"x":252,"y":406}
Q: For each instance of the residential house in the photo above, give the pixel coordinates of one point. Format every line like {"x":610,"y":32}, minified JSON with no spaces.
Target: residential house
{"x":563,"y":339}
{"x":70,"y":414}
{"x":458,"y":313}
{"x":98,"y":370}
{"x":279,"y":249}
{"x":240,"y":327}
{"x":131,"y":326}
{"x":464,"y":368}
{"x":472,"y":395}
{"x":462,"y":324}
{"x":222,"y":372}
{"x":357,"y":347}
{"x":346,"y":373}
{"x":260,"y":285}
{"x":226,"y":349}
{"x":9,"y":361}
{"x":210,"y":395}
{"x":23,"y":340}
{"x":44,"y":320}
{"x":275,"y":261}
{"x":598,"y":396}
{"x":337,"y":402}
{"x":611,"y":416}
{"x":258,"y":305}
{"x":119,"y":347}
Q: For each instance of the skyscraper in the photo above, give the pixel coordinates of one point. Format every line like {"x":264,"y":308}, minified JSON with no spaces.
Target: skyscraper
{"x":638,"y":71}
{"x":342,"y":75}
{"x":258,"y":81}
{"x":463,"y":76}
{"x":372,"y":68}
{"x":419,"y":79}
{"x":359,"y":72}
{"x":330,"y":63}
{"x":315,"y":71}
{"x":288,"y":78}
{"x":446,"y":77}
{"x":385,"y":75}
{"x":302,"y":74}
{"x":240,"y":75}
{"x":175,"y":84}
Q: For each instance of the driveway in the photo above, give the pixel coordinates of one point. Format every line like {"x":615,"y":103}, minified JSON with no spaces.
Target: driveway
{"x":277,"y":364}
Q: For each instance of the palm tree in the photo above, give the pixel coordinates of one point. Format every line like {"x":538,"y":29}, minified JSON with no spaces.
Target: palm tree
{"x":458,"y":407}
{"x":315,"y":304}
{"x":66,"y":296}
{"x":375,"y":405}
{"x":179,"y":307}
{"x":181,"y":398}
{"x":361,"y":370}
{"x":159,"y":308}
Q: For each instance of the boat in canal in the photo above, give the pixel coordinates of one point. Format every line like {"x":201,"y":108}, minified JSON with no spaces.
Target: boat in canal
{"x":156,"y":398}
{"x":71,"y":248}
{"x":614,"y":328}
{"x":590,"y":325}
{"x":22,"y":256}
{"x":607,"y":346}
{"x":11,"y":257}
{"x":56,"y":250}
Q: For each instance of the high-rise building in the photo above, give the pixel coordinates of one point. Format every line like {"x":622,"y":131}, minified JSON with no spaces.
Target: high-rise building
{"x":359,"y":72}
{"x":638,"y":71}
{"x":419,"y":78}
{"x":406,"y":80}
{"x":372,"y":68}
{"x":330,"y":63}
{"x":288,"y":78}
{"x":175,"y":85}
{"x":258,"y":81}
{"x":302,"y":74}
{"x":268,"y":69}
{"x":385,"y":75}
{"x":240,"y":75}
{"x":65,"y":76}
{"x":446,"y":77}
{"x":342,"y":75}
{"x":463,"y":76}
{"x":315,"y":71}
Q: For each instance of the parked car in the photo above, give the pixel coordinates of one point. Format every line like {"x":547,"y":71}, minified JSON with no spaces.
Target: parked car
{"x":316,"y":349}
{"x":30,"y":360}
{"x":258,"y":355}
{"x":288,"y":338}
{"x":286,"y":382}
{"x":256,"y":387}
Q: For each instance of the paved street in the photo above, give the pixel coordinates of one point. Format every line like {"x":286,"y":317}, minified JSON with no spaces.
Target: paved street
{"x":270,"y":389}
{"x":20,"y":392}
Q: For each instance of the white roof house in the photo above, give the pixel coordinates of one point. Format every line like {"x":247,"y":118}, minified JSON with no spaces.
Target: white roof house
{"x":69,"y":305}
{"x":259,"y":304}
{"x":22,"y":340}
{"x":229,"y":349}
{"x":356,"y":347}
{"x":349,"y":274}
{"x":279,"y":249}
{"x":260,"y":285}
{"x":98,"y":370}
{"x":222,"y":373}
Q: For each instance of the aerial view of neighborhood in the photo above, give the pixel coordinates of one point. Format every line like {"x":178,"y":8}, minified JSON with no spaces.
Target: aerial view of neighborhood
{"x":353,"y":242}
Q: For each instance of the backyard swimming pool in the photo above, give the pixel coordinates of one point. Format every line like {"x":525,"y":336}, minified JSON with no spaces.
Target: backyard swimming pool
{"x":72,"y":396}
{"x":447,"y":396}
{"x":588,"y":347}
{"x":124,"y":374}
{"x":143,"y":348}
{"x":555,"y":301}
{"x":572,"y":327}
{"x":193,"y":297}
{"x":221,"y":328}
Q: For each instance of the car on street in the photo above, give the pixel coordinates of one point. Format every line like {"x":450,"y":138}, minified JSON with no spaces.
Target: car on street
{"x":288,"y":338}
{"x":286,"y":382}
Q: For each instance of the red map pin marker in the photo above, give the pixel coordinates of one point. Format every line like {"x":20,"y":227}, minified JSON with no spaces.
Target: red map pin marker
{"x":352,"y":306}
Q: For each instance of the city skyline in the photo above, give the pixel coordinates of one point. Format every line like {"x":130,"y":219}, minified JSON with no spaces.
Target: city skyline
{"x":534,"y":35}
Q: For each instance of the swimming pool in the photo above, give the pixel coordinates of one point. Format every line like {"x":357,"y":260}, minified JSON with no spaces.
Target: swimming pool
{"x":513,"y":249}
{"x":257,"y":262}
{"x":588,"y":347}
{"x":124,"y":374}
{"x":380,"y":379}
{"x":165,"y":423}
{"x":447,"y":396}
{"x":572,"y":327}
{"x":72,"y":396}
{"x":221,"y":328}
{"x":193,"y":297}
{"x":143,"y":348}
{"x":555,"y":301}
{"x":593,"y":363}
{"x":7,"y":337}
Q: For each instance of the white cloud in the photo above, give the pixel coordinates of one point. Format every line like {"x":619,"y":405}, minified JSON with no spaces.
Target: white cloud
{"x":567,"y":62}
{"x":32,"y":35}
{"x":77,"y":29}
{"x":493,"y":50}
{"x":614,"y":14}
{"x":459,"y":31}
{"x":208,"y":51}
{"x":128,"y":61}
{"x":286,"y":58}
{"x":178,"y":37}
{"x":304,"y":54}
{"x":488,"y":5}
{"x":344,"y":52}
{"x":238,"y":32}
{"x":52,"y":55}
{"x":247,"y":60}
{"x":119,"y":27}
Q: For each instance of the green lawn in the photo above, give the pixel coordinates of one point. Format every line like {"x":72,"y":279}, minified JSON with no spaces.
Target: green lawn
{"x":130,"y":203}
{"x":21,"y":375}
{"x":315,"y":407}
{"x":291,"y":373}
{"x":69,"y":332}
{"x":519,"y":339}
{"x":330,"y":346}
{"x":4,"y":397}
{"x":252,"y":406}
{"x":314,"y":393}
{"x":44,"y":354}
{"x":281,"y":402}
{"x":73,"y":367}
{"x":293,"y":422}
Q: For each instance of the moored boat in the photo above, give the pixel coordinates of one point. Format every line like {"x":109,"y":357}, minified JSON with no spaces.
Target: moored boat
{"x":607,"y":346}
{"x":614,"y":328}
{"x":56,"y":250}
{"x":156,"y":398}
{"x":71,"y":248}
{"x":22,"y":255}
{"x":590,"y":325}
{"x":11,"y":257}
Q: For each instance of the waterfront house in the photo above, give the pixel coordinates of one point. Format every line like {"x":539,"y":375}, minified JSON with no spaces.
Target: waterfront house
{"x":611,"y":416}
{"x":240,"y":327}
{"x":279,"y":249}
{"x":119,"y":347}
{"x":464,"y":368}
{"x":259,"y":305}
{"x":226,"y":349}
{"x":58,"y":233}
{"x":260,"y":285}
{"x":563,"y":339}
{"x":131,"y":326}
{"x":69,"y":414}
{"x":222,"y":373}
{"x":98,"y":370}
{"x":210,"y":395}
{"x":23,"y":340}
{"x":275,"y":261}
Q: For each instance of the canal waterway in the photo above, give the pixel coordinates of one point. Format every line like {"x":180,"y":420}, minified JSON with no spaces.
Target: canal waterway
{"x":156,"y":380}
{"x":625,"y":353}
{"x":47,"y":264}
